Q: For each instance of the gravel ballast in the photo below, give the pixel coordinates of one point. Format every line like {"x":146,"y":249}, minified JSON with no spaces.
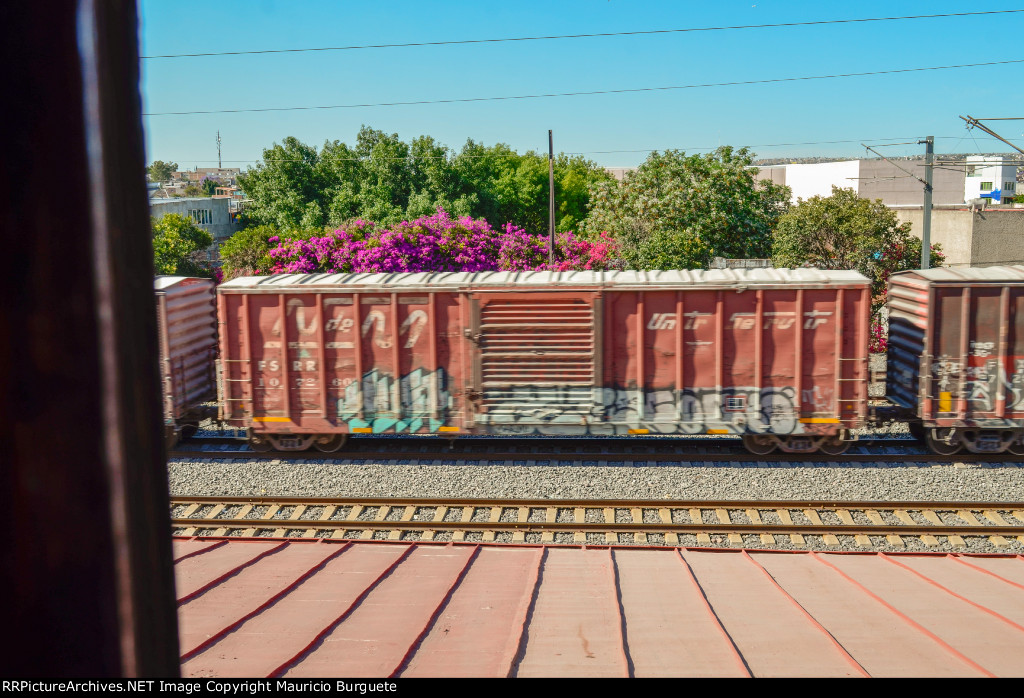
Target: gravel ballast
{"x":697,"y":481}
{"x":702,"y":480}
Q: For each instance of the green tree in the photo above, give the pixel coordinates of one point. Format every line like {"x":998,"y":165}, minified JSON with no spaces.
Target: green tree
{"x":383,"y":179}
{"x":287,"y":189}
{"x":678,"y":212}
{"x":209,"y":186}
{"x":844,"y":231}
{"x":160,"y":171}
{"x":179,"y":246}
{"x":504,"y":186}
{"x":247,"y":251}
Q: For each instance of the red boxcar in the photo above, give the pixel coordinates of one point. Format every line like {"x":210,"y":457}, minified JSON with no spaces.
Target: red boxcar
{"x":778,"y":356}
{"x":956,"y":356}
{"x":186,"y":311}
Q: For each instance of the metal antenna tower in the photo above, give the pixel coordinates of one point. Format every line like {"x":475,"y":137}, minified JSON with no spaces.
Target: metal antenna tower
{"x":219,"y":166}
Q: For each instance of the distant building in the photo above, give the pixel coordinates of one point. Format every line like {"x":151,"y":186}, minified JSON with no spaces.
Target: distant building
{"x":970,"y":233}
{"x":619,"y":173}
{"x":211,"y":214}
{"x":227,"y":176}
{"x":896,"y":183}
{"x":988,"y":174}
{"x":871,"y":179}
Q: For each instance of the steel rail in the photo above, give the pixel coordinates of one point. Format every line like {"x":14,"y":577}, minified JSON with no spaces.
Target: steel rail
{"x":598,"y":527}
{"x":681,"y":456}
{"x":279,"y":517}
{"x":483,"y":503}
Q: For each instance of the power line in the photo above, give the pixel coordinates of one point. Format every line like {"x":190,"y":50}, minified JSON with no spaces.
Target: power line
{"x":579,"y":152}
{"x":581,"y":36}
{"x":596,"y":152}
{"x":582,"y":94}
{"x":972,"y":123}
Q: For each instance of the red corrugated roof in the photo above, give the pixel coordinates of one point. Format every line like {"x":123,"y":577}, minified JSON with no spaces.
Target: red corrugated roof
{"x":373,"y":608}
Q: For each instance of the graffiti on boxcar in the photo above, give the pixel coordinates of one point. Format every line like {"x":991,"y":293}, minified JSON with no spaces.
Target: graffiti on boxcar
{"x":419,"y":402}
{"x":741,"y":321}
{"x":982,"y":349}
{"x":945,"y":370}
{"x":413,"y":325}
{"x":981,"y":384}
{"x":560,"y":410}
{"x":376,"y":319}
{"x":1016,"y":387}
{"x":822,"y":399}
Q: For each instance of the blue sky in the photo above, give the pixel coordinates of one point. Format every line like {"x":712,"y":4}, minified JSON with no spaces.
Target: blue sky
{"x":883,"y":107}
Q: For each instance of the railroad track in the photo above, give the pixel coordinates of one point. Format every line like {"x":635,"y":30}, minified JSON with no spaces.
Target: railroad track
{"x":563,"y":451}
{"x":811,"y":525}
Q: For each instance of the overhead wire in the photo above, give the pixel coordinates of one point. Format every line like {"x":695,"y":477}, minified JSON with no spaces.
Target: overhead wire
{"x":579,"y":152}
{"x":463,"y":100}
{"x":581,"y":36}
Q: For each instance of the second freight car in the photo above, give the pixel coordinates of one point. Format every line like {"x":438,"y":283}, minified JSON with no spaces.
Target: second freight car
{"x":777,"y":356}
{"x":956,"y":357}
{"x":186,"y":310}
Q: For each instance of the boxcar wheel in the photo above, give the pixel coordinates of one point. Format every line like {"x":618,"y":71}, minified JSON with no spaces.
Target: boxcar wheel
{"x":259,"y":443}
{"x":329,"y":443}
{"x":835,"y":447}
{"x":759,"y":445}
{"x":934,"y":439}
{"x":1016,"y":447}
{"x":189,"y":429}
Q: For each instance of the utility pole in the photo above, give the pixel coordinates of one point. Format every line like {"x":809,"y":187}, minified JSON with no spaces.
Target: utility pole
{"x":926,"y":213}
{"x":219,"y":166}
{"x":926,"y":223}
{"x":551,"y":199}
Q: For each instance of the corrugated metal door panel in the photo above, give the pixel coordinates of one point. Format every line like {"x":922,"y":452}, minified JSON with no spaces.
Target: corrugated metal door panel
{"x":188,"y":339}
{"x":908,"y":340}
{"x":536,"y":356}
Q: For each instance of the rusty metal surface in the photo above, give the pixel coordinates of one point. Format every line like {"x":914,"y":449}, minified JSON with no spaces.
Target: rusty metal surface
{"x":724,"y":352}
{"x":187,"y":327}
{"x":332,"y":608}
{"x":633,"y":280}
{"x":956,"y":350}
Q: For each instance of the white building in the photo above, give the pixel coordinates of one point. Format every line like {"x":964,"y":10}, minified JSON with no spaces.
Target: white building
{"x":990,"y":177}
{"x":871,"y":179}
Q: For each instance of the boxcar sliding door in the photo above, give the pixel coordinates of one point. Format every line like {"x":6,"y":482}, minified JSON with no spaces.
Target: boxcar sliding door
{"x":537,"y":363}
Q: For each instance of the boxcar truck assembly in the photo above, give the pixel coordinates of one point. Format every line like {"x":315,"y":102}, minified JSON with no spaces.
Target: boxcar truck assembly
{"x":777,"y":356}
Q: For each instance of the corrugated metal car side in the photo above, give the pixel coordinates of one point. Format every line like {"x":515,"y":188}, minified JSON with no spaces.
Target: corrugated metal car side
{"x":186,"y":310}
{"x":956,"y":349}
{"x":335,"y":362}
{"x":737,"y":360}
{"x":768,"y":352}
